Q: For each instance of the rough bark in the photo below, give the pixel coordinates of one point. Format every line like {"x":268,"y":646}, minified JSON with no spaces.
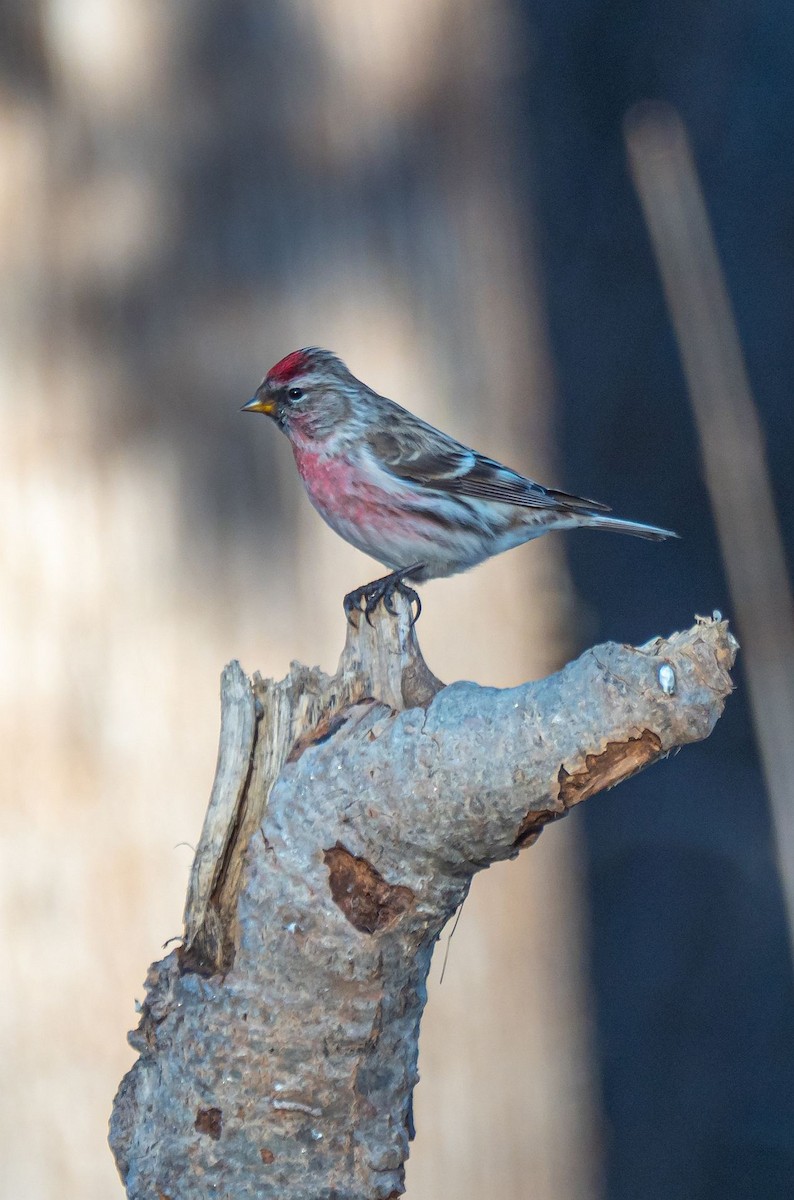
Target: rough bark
{"x":278,"y":1044}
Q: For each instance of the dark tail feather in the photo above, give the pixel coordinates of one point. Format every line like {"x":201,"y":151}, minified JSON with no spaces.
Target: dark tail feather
{"x":577,"y":503}
{"x":636,"y":528}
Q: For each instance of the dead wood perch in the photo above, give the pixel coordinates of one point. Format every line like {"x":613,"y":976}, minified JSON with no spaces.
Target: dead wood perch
{"x":278,"y":1045}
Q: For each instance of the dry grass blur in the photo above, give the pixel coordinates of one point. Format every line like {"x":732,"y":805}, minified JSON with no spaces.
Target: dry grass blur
{"x":732,"y":447}
{"x":187,"y":194}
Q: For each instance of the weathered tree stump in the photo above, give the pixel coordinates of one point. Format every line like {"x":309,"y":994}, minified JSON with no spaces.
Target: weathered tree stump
{"x":278,"y":1044}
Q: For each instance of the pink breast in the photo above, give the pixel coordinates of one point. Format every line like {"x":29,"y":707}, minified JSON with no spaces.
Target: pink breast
{"x":339,"y":488}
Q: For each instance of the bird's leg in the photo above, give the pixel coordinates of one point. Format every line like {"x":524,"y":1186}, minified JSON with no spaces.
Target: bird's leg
{"x":384,"y":589}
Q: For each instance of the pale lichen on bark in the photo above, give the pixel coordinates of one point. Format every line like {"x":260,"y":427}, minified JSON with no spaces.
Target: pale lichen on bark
{"x":278,"y":1045}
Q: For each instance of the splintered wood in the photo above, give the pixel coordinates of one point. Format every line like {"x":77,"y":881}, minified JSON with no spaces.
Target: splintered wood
{"x":278,"y":1045}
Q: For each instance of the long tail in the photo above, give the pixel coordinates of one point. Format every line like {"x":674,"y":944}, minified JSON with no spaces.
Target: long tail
{"x":636,"y":528}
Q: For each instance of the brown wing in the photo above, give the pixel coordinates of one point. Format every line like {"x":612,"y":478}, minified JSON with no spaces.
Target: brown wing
{"x":419,"y":454}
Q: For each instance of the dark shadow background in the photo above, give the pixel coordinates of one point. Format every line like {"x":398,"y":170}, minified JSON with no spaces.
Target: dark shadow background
{"x":689,"y":943}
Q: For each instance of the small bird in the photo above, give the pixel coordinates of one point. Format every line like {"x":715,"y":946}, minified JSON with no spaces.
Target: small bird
{"x":402,"y":491}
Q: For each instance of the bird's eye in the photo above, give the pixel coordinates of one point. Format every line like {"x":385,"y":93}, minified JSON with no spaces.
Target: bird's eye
{"x":295,"y":393}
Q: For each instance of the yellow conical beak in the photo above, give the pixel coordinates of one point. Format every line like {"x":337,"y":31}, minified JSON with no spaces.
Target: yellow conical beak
{"x":267,"y":407}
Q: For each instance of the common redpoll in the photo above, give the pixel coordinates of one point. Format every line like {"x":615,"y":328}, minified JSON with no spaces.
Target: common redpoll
{"x":410,"y":496}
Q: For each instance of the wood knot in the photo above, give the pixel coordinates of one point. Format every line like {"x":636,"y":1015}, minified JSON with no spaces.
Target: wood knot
{"x":366,"y":899}
{"x":210,"y":1121}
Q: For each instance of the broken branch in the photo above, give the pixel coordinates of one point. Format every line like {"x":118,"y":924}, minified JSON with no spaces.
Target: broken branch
{"x":278,"y":1045}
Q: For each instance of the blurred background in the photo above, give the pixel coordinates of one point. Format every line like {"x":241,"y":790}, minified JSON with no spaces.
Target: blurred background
{"x":439,"y":191}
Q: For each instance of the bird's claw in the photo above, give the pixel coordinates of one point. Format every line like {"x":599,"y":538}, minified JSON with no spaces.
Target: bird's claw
{"x":383,"y":589}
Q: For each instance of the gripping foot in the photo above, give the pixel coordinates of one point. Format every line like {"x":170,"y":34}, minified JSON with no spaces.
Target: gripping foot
{"x":384,"y":589}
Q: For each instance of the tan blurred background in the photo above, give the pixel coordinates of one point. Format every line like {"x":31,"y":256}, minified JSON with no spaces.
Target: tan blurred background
{"x":437,"y":190}
{"x":176,"y":213}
